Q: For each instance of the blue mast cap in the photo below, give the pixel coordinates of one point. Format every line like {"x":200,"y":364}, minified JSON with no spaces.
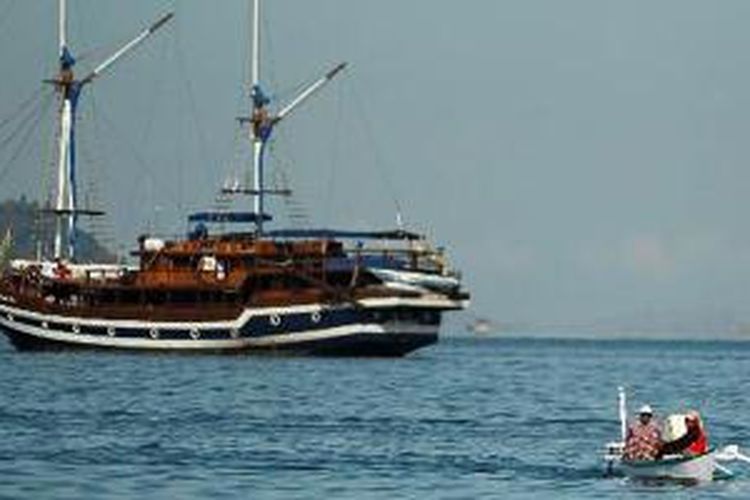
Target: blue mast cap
{"x":67,"y":60}
{"x":260,"y":99}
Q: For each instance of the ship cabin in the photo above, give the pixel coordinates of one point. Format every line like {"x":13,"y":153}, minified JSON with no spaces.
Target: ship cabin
{"x":215,"y":276}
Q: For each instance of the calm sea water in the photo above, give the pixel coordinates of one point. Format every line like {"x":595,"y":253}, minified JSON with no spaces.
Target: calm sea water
{"x":468,"y":418}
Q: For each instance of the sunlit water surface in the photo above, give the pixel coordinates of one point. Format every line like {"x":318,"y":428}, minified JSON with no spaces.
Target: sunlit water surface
{"x":468,"y":418}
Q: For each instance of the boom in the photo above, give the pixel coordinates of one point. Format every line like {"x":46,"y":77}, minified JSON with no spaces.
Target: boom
{"x":127,"y":48}
{"x":308,"y":92}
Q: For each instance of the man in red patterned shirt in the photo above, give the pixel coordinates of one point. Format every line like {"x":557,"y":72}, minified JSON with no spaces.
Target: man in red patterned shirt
{"x":643,"y":440}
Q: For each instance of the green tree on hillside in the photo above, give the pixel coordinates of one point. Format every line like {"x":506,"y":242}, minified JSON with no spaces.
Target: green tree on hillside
{"x":27,"y":226}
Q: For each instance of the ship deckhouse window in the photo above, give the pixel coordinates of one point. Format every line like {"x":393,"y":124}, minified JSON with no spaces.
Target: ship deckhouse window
{"x":207,"y":263}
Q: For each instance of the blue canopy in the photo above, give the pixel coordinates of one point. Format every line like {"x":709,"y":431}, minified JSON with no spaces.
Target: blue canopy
{"x":393,"y":234}
{"x":231,"y":217}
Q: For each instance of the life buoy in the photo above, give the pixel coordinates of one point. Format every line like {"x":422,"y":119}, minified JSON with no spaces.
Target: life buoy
{"x":234,"y":333}
{"x":195,"y":334}
{"x":111,"y":331}
{"x":76,"y":329}
{"x":315,"y":317}
{"x":275,"y":319}
{"x":154,"y":333}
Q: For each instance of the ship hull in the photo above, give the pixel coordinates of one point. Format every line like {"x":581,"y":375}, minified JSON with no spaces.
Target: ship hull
{"x":352,"y":345}
{"x":378,"y":328}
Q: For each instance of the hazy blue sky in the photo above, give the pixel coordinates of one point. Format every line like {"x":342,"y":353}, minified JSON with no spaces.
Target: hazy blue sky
{"x":580,"y":159}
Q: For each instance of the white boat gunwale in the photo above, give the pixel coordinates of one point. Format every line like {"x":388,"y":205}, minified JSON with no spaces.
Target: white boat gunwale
{"x":666,"y":460}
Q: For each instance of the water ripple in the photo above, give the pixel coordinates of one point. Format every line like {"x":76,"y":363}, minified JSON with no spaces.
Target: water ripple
{"x":467,"y":419}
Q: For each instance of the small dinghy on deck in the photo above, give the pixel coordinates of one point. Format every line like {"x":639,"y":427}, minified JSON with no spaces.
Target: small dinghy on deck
{"x":692,"y":468}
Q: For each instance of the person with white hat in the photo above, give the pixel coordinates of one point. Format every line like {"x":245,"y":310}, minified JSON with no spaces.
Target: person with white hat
{"x":643,"y":440}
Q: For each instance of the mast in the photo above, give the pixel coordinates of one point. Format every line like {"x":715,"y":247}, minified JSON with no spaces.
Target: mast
{"x":62,"y":27}
{"x":259,"y":116}
{"x":262,"y":122}
{"x":69,"y":90}
{"x":255,"y":45}
{"x":65,"y":118}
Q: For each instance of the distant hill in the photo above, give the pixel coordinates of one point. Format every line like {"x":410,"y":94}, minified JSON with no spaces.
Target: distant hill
{"x":28,"y":226}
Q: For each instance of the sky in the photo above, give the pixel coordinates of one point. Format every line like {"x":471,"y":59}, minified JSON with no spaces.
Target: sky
{"x":580,"y":160}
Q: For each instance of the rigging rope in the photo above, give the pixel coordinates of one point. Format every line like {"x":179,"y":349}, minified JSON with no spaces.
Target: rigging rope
{"x":335,"y":154}
{"x":378,"y":156}
{"x":101,"y":228}
{"x":193,"y":114}
{"x":129,"y":149}
{"x":32,"y":128}
{"x":35,"y":96}
{"x":42,"y":231}
{"x":26,"y":130}
{"x":5,"y":15}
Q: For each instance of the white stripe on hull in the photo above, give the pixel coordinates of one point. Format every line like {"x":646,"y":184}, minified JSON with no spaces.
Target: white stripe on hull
{"x":266,"y":341}
{"x":429,"y":302}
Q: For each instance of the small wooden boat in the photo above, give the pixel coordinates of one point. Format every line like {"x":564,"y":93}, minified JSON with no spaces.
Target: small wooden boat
{"x":689,"y":468}
{"x":699,"y":468}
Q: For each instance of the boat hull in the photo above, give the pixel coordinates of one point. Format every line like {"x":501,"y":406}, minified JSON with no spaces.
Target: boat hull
{"x":699,"y":468}
{"x":379,"y":328}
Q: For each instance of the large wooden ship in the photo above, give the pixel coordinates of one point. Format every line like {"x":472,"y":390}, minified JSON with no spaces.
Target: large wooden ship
{"x":308,"y":291}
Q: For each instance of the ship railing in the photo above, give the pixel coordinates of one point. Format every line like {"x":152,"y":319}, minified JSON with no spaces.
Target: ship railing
{"x":416,"y":258}
{"x":71,"y":271}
